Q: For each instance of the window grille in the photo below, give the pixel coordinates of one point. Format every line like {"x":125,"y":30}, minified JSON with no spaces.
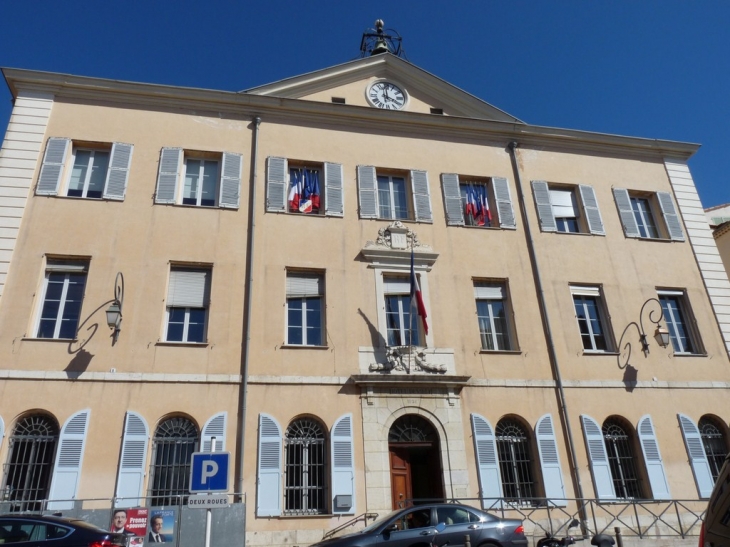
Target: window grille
{"x":621,"y":458}
{"x":411,"y":428}
{"x":32,"y":450}
{"x":305,"y":468}
{"x":715,"y":447}
{"x":515,"y":464}
{"x":174,"y":442}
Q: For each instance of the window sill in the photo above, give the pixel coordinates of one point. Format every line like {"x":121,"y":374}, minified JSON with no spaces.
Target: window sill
{"x":206,"y":207}
{"x":575,"y":233}
{"x":500,"y":351}
{"x":480,"y":227}
{"x":305,"y":516}
{"x":609,"y":353}
{"x":183,"y":344}
{"x":300,"y":346}
{"x":656,"y":239}
{"x":689,"y":354}
{"x":64,"y":340}
{"x":289,"y":213}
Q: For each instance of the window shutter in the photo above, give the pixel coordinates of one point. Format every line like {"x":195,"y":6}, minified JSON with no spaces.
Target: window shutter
{"x":334,"y":196}
{"x":117,"y":176}
{"x":552,"y":475}
{"x":504,"y":203}
{"x":600,"y":469}
{"x":368,"y":191}
{"x":130,"y":478}
{"x":2,"y":431}
{"x":188,"y":288}
{"x":653,"y":459}
{"x":343,"y":467}
{"x":489,"y":291}
{"x":69,"y":457}
{"x":52,"y":168}
{"x":277,"y":179}
{"x":541,"y":192}
{"x":674,"y":227}
{"x":230,"y":196}
{"x":623,"y":203}
{"x":590,"y":209}
{"x":421,"y":196}
{"x":452,"y":199}
{"x":485,"y":446}
{"x":168,"y":175}
{"x":268,"y":493}
{"x":304,"y":285}
{"x":697,"y":457}
{"x":215,"y":427}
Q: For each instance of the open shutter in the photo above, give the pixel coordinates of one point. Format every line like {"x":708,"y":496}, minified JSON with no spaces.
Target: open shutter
{"x":590,"y":210}
{"x":697,"y":456}
{"x":277,"y":178}
{"x":268,"y":493}
{"x":671,"y":219}
{"x":485,"y":446}
{"x":367,"y":187}
{"x":215,"y":427}
{"x":653,"y":459}
{"x":130,"y":478}
{"x":168,"y":175}
{"x":52,"y":168}
{"x":600,"y":469}
{"x":503,"y":197}
{"x":343,"y":467}
{"x":334,"y":197}
{"x":69,"y":457}
{"x":117,"y":176}
{"x":552,"y":475}
{"x":421,"y":196}
{"x":541,"y":192}
{"x":623,"y":204}
{"x":452,"y":199}
{"x":230,"y":195}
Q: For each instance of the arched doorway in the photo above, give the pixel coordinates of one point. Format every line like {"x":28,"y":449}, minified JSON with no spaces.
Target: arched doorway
{"x":415,"y":461}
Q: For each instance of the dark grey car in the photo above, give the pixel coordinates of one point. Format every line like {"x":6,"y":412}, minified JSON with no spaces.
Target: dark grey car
{"x":52,"y":531}
{"x":416,"y":526}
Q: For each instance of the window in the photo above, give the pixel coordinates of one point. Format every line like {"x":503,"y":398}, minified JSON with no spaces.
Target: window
{"x":475,"y":203}
{"x":591,"y":316}
{"x":63,"y":293}
{"x":639,"y":210}
{"x":402,"y":323}
{"x":201,"y":181}
{"x":680,"y":322}
{"x":304,"y":491}
{"x":491,"y":299}
{"x":304,"y":309}
{"x":713,"y":441}
{"x":394,"y":195}
{"x":303,"y":187}
{"x":88,"y":173}
{"x":559,"y":208}
{"x":621,"y":458}
{"x":644,"y":217}
{"x":304,"y":192}
{"x":188,"y":296}
{"x":515,"y":461}
{"x":174,"y":442}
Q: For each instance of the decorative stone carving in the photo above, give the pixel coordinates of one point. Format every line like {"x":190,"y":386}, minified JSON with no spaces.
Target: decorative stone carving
{"x":396,"y":236}
{"x":398,"y":359}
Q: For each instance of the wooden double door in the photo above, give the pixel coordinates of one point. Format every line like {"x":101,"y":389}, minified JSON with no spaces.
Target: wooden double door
{"x":415,"y":472}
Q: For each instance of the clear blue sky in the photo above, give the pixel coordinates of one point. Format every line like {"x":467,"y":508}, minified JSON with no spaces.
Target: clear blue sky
{"x":657,"y":69}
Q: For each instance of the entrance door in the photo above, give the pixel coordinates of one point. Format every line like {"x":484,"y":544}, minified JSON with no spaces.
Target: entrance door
{"x":400,"y":476}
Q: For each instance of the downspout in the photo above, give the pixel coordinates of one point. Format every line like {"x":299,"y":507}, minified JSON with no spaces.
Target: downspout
{"x":548,"y":333}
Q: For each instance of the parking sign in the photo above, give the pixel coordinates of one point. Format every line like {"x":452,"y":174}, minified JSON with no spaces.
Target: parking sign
{"x":209,"y":472}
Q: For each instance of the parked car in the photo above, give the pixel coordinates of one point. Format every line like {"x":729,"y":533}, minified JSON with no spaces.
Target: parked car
{"x":715,"y":530}
{"x":51,"y":531}
{"x":415,"y":526}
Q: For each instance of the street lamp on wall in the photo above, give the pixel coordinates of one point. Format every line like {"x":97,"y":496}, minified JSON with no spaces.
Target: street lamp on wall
{"x":114,"y":311}
{"x":661,"y":335}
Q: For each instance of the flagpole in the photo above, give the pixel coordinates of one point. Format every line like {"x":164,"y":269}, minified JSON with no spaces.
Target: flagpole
{"x":410,"y":315}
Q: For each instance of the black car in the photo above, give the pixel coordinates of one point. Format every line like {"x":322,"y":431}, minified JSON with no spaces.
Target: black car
{"x":50,"y":531}
{"x":415,"y":526}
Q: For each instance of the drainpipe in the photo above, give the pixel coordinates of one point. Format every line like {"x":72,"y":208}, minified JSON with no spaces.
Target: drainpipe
{"x":563,"y":406}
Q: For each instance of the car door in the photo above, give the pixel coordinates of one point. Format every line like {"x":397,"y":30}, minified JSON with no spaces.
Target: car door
{"x":460,"y":522}
{"x":412,"y":527}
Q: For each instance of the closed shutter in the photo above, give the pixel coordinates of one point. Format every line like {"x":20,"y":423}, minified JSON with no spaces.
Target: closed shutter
{"x":600,"y":469}
{"x":69,"y":457}
{"x":189,"y":288}
{"x":452,"y":199}
{"x":367,"y":187}
{"x":277,"y":179}
{"x":421,"y":196}
{"x":130,"y":478}
{"x":268,"y":491}
{"x":52,"y":168}
{"x":547,"y":445}
{"x":671,"y":219}
{"x":697,"y":457}
{"x":503,"y":197}
{"x":115,"y":186}
{"x":343,"y":467}
{"x":2,"y":431}
{"x":653,"y":459}
{"x":334,"y":190}
{"x":485,"y":446}
{"x":304,"y":285}
{"x":215,"y":427}
{"x":541,"y":192}
{"x":230,"y":195}
{"x":590,"y":209}
{"x":168,"y":175}
{"x":623,"y":204}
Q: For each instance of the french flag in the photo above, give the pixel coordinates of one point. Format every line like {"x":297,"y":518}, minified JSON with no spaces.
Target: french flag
{"x":296,"y":189}
{"x":416,"y":296}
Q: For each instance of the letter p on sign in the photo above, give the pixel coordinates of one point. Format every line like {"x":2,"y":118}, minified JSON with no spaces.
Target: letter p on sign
{"x":209,"y":472}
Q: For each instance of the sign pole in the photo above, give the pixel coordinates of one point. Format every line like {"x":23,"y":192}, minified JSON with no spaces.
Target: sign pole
{"x":209,"y":514}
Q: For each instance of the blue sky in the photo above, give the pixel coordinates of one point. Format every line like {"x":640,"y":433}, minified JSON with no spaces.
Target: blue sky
{"x":648,"y":69}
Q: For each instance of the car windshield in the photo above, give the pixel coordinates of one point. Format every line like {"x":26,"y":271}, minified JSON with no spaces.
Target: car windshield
{"x":380,"y":521}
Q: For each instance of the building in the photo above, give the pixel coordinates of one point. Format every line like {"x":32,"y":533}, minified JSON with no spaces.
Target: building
{"x":719,"y":219}
{"x":267,"y":240}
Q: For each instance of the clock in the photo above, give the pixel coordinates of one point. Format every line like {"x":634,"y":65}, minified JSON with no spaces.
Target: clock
{"x":387,"y":95}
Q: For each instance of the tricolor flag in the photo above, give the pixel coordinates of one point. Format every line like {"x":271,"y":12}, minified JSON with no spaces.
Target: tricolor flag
{"x":296,"y":189}
{"x":417,"y":297}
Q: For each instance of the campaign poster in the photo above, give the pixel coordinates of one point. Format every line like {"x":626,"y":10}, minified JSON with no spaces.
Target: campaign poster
{"x":161,"y":526}
{"x":132,"y":522}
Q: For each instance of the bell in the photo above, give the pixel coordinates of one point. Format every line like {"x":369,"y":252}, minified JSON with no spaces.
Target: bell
{"x":381,"y":46}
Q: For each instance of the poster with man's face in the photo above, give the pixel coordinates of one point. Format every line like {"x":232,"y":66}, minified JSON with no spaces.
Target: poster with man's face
{"x":132,"y":522}
{"x":162,"y":526}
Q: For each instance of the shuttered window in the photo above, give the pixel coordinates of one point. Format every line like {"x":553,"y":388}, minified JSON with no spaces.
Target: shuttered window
{"x":187,"y":304}
{"x":639,"y":212}
{"x":568,"y":209}
{"x":394,"y":196}
{"x":621,"y":459}
{"x":515,"y":462}
{"x":305,"y":472}
{"x":592,"y":318}
{"x":174,"y":442}
{"x":304,"y":188}
{"x":304,"y":309}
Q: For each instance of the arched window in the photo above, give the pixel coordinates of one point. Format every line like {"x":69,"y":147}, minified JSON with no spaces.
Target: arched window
{"x":32,"y":451}
{"x":714,"y":443}
{"x":515,"y":462}
{"x":621,"y":458}
{"x":304,"y":491}
{"x":174,"y":442}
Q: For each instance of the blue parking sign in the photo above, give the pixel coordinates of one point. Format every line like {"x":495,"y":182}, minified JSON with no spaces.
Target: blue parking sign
{"x":209,"y":472}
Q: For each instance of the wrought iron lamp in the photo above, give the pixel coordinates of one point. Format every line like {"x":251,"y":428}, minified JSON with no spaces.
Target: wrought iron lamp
{"x":114,"y":311}
{"x":661,"y":335}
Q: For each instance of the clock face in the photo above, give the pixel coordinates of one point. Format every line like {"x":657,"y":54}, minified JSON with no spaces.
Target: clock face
{"x":386,"y":95}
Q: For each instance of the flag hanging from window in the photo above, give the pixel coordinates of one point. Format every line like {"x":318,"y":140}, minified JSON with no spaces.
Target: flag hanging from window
{"x":304,"y":191}
{"x":296,"y":189}
{"x":417,"y":297}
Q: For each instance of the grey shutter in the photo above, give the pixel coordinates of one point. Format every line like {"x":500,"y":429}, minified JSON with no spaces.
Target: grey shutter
{"x":52,"y":168}
{"x":590,"y":210}
{"x":653,"y":459}
{"x":343,"y":467}
{"x":69,"y":457}
{"x":421,"y":196}
{"x":697,"y":457}
{"x":268,"y":491}
{"x":168,"y":175}
{"x":598,"y":459}
{"x":188,"y":288}
{"x":215,"y":427}
{"x":301,"y":285}
{"x":671,"y":219}
{"x":277,"y":180}
{"x":623,"y":204}
{"x":2,"y":431}
{"x":452,"y":199}
{"x":485,"y":446}
{"x":334,"y":190}
{"x":503,"y":197}
{"x":117,"y":175}
{"x":130,"y":477}
{"x":541,"y":192}
{"x":547,"y":445}
{"x":367,"y":186}
{"x":230,"y":195}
